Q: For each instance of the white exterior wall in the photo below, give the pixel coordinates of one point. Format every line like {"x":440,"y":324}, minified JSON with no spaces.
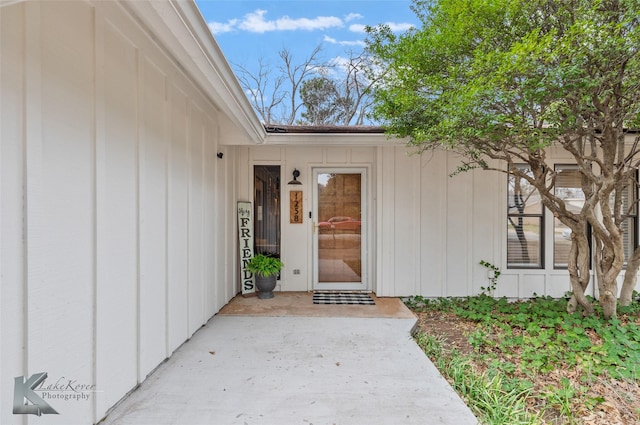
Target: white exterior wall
{"x":296,"y":239}
{"x":428,"y":230}
{"x":436,"y":227}
{"x":116,"y":215}
{"x":117,"y":220}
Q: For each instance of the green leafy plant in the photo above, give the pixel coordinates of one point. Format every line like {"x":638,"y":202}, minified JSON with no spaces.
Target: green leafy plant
{"x":420,"y":303}
{"x":500,"y":79}
{"x":492,"y":399}
{"x":494,"y":274}
{"x":264,"y":265}
{"x":561,"y":398}
{"x":535,"y":345}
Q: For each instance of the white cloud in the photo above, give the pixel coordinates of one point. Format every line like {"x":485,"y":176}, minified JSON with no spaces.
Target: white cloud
{"x":352,"y":16}
{"x":319,"y":23}
{"x":220,"y":27}
{"x":399,"y":26}
{"x":340,"y":61}
{"x":356,"y":28}
{"x":340,"y":66}
{"x":332,"y":40}
{"x":256,"y":22}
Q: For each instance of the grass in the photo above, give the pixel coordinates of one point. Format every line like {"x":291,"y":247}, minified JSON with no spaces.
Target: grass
{"x":486,"y":395}
{"x":530,"y":362}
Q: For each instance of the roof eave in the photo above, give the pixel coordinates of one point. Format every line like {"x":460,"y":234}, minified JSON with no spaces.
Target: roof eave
{"x":180,"y":29}
{"x":331,"y":139}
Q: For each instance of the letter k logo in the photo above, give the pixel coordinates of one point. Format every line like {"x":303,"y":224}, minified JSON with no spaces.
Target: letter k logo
{"x":23,"y":391}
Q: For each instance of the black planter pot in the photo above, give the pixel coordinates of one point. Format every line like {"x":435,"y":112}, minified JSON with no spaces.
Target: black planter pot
{"x":265,"y":286}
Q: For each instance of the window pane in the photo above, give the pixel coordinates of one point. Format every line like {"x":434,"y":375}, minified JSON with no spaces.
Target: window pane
{"x":561,"y":244}
{"x":267,"y":209}
{"x":629,"y":225}
{"x":524,"y":248}
{"x":339,"y":227}
{"x":628,"y":238}
{"x":568,"y":188}
{"x":627,"y":200}
{"x":524,"y":223}
{"x":523,"y":198}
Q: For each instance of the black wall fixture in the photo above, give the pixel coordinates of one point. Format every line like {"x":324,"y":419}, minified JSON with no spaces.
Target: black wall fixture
{"x":296,"y":174}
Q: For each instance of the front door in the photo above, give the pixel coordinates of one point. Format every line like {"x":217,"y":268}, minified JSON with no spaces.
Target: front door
{"x":339,"y":229}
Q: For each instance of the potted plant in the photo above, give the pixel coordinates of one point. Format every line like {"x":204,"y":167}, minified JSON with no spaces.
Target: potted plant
{"x":266,"y":269}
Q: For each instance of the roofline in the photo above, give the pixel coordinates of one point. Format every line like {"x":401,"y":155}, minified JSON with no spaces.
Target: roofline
{"x":319,"y":129}
{"x":332,"y":139}
{"x":182,"y":32}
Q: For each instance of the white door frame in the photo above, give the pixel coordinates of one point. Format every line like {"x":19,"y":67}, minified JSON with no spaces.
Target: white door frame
{"x":364,"y":235}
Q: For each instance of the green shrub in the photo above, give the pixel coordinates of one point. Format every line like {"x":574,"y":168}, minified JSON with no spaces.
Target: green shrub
{"x":264,"y":265}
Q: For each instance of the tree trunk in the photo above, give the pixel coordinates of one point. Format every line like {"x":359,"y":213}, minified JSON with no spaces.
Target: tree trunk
{"x":578,"y":267}
{"x":608,"y":267}
{"x":630,"y":278}
{"x":609,"y":302}
{"x":608,"y":247}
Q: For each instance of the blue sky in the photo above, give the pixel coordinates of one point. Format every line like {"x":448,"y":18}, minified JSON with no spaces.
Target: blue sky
{"x":249,"y":30}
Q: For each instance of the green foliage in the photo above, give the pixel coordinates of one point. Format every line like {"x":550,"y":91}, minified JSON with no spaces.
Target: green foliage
{"x":492,"y":400}
{"x":322,"y":101}
{"x":560,"y":398}
{"x":498,"y":82}
{"x":634,"y":308}
{"x":420,"y":303}
{"x":264,"y":265}
{"x":480,"y":74}
{"x":545,"y":337}
{"x":520,"y":341}
{"x":493,"y":278}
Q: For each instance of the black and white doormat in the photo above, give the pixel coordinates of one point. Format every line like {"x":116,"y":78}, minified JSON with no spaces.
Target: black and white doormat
{"x":342,"y":298}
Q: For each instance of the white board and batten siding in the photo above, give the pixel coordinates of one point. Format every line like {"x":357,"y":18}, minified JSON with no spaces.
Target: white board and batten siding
{"x":427,"y":230}
{"x":117,"y":218}
{"x":115,"y":236}
{"x":437,"y":226}
{"x":296,"y":239}
{"x":429,"y":227}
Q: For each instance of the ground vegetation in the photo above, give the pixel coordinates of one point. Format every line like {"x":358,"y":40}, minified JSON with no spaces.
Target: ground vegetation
{"x":531,"y":362}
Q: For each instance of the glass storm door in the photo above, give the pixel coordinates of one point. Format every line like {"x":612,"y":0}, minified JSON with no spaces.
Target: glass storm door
{"x":339,"y":229}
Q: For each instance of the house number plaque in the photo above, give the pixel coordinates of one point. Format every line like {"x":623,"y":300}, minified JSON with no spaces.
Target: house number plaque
{"x":295,"y":206}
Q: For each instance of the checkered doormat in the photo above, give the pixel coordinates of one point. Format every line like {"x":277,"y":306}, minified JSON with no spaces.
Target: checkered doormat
{"x":342,"y":298}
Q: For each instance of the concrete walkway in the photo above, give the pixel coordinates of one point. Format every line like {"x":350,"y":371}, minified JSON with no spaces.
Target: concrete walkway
{"x":296,"y":370}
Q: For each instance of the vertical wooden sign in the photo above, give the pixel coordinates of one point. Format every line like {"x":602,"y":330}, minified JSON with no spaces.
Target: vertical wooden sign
{"x":295,"y":206}
{"x":245,"y":233}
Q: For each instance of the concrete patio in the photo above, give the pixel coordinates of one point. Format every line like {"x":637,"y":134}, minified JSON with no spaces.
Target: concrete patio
{"x":288,"y":361}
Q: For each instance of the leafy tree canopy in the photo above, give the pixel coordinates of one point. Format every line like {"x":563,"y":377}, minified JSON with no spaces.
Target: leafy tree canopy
{"x":322,"y":102}
{"x":480,"y":72}
{"x":500,"y":81}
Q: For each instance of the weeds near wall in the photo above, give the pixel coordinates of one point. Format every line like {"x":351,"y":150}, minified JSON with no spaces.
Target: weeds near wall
{"x":493,"y":275}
